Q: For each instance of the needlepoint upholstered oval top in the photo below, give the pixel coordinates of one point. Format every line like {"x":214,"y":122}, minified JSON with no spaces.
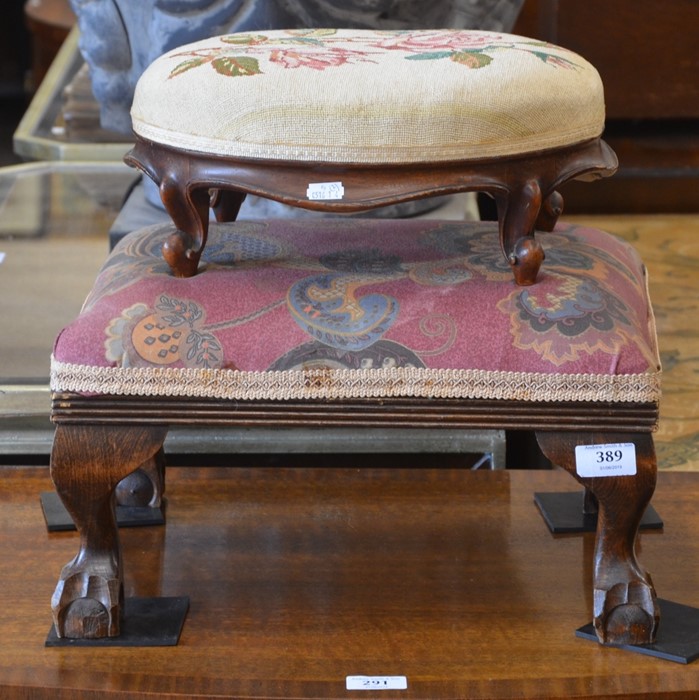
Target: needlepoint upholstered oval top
{"x":349,"y":96}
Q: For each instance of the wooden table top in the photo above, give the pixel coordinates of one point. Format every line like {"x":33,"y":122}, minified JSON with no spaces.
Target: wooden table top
{"x":300,"y":577}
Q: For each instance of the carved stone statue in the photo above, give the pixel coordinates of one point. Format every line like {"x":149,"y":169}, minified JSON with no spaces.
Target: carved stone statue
{"x":120,"y":38}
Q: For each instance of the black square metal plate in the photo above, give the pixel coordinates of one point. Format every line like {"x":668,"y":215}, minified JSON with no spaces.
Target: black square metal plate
{"x":147,"y":622}
{"x":58,"y":519}
{"x":678,"y":634}
{"x":563,"y":513}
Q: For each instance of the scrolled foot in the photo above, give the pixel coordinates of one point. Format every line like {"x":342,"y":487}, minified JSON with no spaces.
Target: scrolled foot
{"x":627,"y":613}
{"x":87,"y":606}
{"x":180,"y":255}
{"x":551,"y":210}
{"x":526,"y":259}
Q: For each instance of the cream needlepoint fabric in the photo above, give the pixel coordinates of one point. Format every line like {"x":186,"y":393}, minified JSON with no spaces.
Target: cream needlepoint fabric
{"x":369,"y":96}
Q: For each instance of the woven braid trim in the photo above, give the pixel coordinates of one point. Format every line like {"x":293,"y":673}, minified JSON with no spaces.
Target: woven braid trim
{"x":393,"y":153}
{"x":354,"y":384}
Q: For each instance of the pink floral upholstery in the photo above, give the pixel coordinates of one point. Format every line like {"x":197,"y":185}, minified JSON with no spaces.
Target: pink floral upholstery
{"x":346,"y":308}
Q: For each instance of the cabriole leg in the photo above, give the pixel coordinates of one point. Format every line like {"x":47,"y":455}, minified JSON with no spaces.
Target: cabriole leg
{"x":226,"y":204}
{"x":551,"y":210}
{"x":625,"y":607}
{"x":518,"y":211}
{"x":188,"y":206}
{"x":87,"y":462}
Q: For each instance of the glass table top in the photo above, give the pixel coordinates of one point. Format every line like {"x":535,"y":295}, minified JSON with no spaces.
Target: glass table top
{"x":54,"y":224}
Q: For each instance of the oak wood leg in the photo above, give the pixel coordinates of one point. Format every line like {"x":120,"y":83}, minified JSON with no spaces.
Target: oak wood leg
{"x":87,"y":462}
{"x":518,"y":211}
{"x":625,"y":608}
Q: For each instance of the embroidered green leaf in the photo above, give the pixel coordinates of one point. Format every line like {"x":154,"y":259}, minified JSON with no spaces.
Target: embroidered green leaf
{"x":176,"y":312}
{"x":429,"y":56}
{"x":187,"y":65}
{"x":236,"y":65}
{"x":556,"y":61}
{"x":302,"y":41}
{"x":204,"y":348}
{"x":244,"y":39}
{"x":313,"y":32}
{"x":472,"y":59}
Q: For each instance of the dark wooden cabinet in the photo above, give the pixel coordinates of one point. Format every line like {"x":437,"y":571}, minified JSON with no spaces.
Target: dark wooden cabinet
{"x":49,"y":22}
{"x":647,"y":52}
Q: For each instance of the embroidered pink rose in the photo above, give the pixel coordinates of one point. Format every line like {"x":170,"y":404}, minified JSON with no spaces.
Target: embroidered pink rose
{"x":244,"y":55}
{"x":427,"y":41}
{"x":468,"y":48}
{"x":317,"y":60}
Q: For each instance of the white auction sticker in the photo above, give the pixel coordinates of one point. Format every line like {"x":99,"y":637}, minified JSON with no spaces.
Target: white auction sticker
{"x":376,"y":683}
{"x":612,"y":459}
{"x":325,"y":190}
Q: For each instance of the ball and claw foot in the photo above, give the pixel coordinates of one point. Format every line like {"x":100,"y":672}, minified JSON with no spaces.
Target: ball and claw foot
{"x":626,"y":614}
{"x":86,"y":606}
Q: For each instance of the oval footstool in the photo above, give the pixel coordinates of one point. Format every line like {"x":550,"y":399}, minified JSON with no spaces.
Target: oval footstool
{"x":358,"y":323}
{"x":348,"y":120}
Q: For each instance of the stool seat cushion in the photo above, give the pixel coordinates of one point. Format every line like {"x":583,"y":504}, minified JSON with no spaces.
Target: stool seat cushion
{"x":362,"y":308}
{"x":361,"y":96}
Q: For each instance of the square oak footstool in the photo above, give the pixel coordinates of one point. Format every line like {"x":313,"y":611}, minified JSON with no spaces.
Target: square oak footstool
{"x":360,"y":323}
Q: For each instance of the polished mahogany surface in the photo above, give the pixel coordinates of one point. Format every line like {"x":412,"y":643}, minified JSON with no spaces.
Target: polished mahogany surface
{"x":301,"y":576}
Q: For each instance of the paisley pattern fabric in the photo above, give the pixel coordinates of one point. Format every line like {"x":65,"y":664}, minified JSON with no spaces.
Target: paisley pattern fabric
{"x":363,"y":96}
{"x":431,"y":303}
